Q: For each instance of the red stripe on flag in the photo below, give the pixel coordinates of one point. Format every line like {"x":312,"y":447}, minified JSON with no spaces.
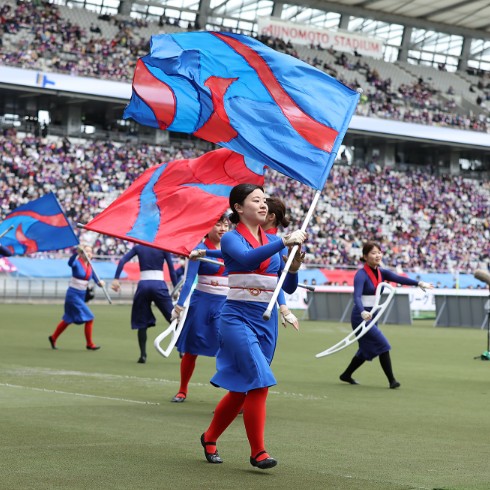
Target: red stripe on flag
{"x":316,"y":133}
{"x":157,"y":94}
{"x":58,"y":220}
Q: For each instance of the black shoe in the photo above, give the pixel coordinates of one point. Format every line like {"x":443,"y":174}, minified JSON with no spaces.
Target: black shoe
{"x":179,"y":399}
{"x":211,"y":457}
{"x":348,"y":379}
{"x":265,"y":463}
{"x":52,"y":342}
{"x":93,"y":347}
{"x":142,"y":360}
{"x":394,"y":384}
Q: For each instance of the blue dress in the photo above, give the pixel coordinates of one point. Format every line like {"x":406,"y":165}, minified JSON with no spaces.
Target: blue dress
{"x":151,"y":261}
{"x":76,"y":310}
{"x":247,"y":341}
{"x":374,"y":342}
{"x":200,"y":333}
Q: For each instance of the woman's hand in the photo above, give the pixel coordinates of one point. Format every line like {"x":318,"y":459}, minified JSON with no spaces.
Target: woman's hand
{"x":288,"y":318}
{"x":116,"y":286}
{"x":295,"y":238}
{"x":196,"y":254}
{"x":425,"y":285}
{"x":176,"y":312}
{"x":366,"y":316}
{"x":299,"y":258}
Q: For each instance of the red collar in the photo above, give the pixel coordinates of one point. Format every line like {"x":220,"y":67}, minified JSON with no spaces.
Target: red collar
{"x":272,"y":231}
{"x":375,"y":280}
{"x":245,"y":232}
{"x":211,"y":246}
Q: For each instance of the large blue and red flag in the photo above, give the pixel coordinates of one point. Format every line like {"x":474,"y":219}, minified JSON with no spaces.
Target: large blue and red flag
{"x":234,"y":91}
{"x":37,"y":226}
{"x":172,"y":206}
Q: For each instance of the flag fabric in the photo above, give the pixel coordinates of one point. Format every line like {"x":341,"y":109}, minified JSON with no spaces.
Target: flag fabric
{"x":233,"y":90}
{"x":38,"y":226}
{"x":172,"y":206}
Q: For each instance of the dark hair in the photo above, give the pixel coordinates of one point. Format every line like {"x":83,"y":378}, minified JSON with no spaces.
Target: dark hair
{"x":367,"y":247}
{"x":278,"y":207}
{"x":237,"y":195}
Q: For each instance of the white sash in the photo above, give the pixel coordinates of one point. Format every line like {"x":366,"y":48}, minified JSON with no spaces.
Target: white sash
{"x":151,"y":276}
{"x":80,"y":284}
{"x":212,"y":284}
{"x":251,"y":287}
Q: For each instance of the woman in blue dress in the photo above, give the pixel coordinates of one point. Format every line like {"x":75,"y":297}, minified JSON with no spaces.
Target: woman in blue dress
{"x":253,"y":260}
{"x":151,"y":288}
{"x":199,"y":335}
{"x":76,"y":310}
{"x":374,"y":343}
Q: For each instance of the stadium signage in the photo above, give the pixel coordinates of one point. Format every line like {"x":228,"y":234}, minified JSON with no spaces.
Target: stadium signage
{"x":305,"y":35}
{"x":57,"y":82}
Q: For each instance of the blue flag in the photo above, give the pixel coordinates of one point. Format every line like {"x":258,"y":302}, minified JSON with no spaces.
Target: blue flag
{"x":235,"y":91}
{"x":37,"y":226}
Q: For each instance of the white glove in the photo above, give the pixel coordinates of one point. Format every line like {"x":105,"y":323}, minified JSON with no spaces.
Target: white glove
{"x":425,"y":285}
{"x":288,"y":317}
{"x":176,"y":312}
{"x":195,"y":254}
{"x":366,"y":315}
{"x":295,"y":238}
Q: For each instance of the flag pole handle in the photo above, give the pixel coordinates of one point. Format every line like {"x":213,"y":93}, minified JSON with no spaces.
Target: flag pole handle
{"x":268,"y":312}
{"x":307,"y":287}
{"x":97,"y":278}
{"x":210,"y":261}
{"x":11,"y":227}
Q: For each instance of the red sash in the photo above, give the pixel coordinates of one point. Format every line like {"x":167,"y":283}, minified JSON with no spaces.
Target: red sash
{"x":208,"y":243}
{"x":245,"y":232}
{"x":87,"y":269}
{"x":375,"y":280}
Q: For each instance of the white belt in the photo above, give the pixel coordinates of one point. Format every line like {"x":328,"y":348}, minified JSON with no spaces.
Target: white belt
{"x":151,"y":276}
{"x":368,"y":300}
{"x":212,"y":284}
{"x":251,"y":287}
{"x":80,"y":284}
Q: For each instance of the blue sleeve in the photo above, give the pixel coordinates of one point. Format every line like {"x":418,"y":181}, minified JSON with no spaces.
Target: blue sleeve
{"x":281,"y":299}
{"x":216,"y":254}
{"x":358,"y":288}
{"x":249,"y":259}
{"x":290,"y":283}
{"x":171,"y":268}
{"x":391,"y":276}
{"x":192,"y":271}
{"x":92,"y":276}
{"x":5,"y":251}
{"x":72,"y":259}
{"x":125,"y":259}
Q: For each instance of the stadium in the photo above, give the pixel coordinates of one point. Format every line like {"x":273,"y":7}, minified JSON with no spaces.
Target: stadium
{"x":411,"y":173}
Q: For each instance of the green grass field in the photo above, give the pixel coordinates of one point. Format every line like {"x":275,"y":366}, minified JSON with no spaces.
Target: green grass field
{"x":76,"y":419}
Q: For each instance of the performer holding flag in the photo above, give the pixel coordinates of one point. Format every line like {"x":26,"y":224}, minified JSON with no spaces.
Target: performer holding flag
{"x":374,"y":343}
{"x":247,"y":342}
{"x":200,"y":333}
{"x":76,"y":310}
{"x":151,"y":288}
{"x":276,"y":216}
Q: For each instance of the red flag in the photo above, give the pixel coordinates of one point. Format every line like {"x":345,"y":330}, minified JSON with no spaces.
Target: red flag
{"x":172,"y":206}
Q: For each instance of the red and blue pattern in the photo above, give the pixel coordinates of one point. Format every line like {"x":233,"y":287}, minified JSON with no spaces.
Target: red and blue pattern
{"x":235,"y":91}
{"x":172,"y":206}
{"x":38,"y":226}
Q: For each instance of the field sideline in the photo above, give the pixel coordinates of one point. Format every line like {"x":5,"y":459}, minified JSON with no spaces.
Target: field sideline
{"x":76,"y":419}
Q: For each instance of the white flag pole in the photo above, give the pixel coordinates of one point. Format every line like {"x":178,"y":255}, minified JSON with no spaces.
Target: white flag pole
{"x":6,"y":231}
{"x":309,"y":214}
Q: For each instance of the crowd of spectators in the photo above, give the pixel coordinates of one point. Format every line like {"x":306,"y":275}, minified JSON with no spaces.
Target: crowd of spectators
{"x":425,"y":222}
{"x":43,"y":39}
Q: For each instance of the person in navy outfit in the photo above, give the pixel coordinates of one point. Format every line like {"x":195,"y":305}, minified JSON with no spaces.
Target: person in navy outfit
{"x":151,"y":288}
{"x":199,"y":335}
{"x":373,"y":343}
{"x":76,"y":309}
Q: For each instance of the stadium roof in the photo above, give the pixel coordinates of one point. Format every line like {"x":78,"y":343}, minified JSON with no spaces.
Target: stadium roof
{"x":465,"y":17}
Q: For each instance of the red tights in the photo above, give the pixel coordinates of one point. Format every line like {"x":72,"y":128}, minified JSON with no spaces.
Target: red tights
{"x":187,"y":366}
{"x":88,"y":331}
{"x":254,"y":413}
